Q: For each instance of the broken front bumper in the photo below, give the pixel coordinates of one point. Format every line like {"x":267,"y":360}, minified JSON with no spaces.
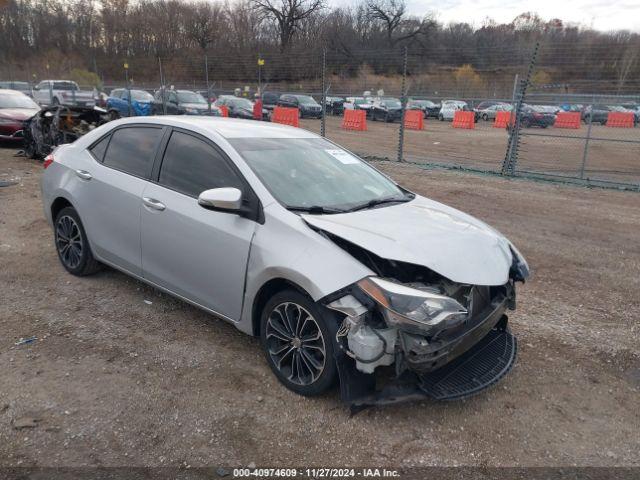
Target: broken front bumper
{"x":474,"y":368}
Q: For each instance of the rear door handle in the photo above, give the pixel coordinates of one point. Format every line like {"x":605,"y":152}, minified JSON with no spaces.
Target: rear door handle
{"x":83,"y":174}
{"x":153,"y":203}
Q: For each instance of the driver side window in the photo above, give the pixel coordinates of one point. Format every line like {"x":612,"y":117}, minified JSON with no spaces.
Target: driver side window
{"x":191,"y":166}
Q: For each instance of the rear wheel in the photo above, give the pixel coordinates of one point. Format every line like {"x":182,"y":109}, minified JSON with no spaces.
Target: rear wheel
{"x":298,"y":345}
{"x":72,"y":245}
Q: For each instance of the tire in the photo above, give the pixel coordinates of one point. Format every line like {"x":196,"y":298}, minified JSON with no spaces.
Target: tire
{"x":299,"y":364}
{"x":485,"y":117}
{"x":77,"y":259}
{"x":374,"y":118}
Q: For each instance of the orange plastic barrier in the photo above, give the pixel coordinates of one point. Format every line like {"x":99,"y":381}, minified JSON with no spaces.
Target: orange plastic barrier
{"x":620,"y":119}
{"x":414,"y":119}
{"x":224,"y":110}
{"x":462,"y":119}
{"x":285,"y":116}
{"x":354,"y":120}
{"x":502,"y":119}
{"x":567,"y":120}
{"x":257,"y":110}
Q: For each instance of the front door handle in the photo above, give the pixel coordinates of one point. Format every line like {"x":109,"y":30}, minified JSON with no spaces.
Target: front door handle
{"x":83,"y":174}
{"x":153,"y":203}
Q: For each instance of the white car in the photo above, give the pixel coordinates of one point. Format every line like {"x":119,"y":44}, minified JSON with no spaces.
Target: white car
{"x":450,"y":107}
{"x":358,"y":103}
{"x":340,"y":271}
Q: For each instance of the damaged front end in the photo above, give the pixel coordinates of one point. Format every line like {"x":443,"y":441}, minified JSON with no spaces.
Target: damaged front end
{"x":409,"y":333}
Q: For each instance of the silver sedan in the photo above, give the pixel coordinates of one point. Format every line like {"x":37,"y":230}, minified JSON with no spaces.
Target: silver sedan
{"x":340,"y":271}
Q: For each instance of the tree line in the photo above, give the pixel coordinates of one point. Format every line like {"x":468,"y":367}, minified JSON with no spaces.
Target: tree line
{"x":43,"y":37}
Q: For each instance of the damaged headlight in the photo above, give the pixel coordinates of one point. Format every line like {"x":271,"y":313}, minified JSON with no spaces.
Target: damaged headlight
{"x":413,"y":309}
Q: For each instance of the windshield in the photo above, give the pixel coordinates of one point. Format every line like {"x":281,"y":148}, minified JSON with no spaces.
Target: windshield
{"x":141,"y":96}
{"x":65,"y":86}
{"x":17,"y":101}
{"x":392,"y":103}
{"x":242,"y":103}
{"x":190,"y":97}
{"x":312,"y":172}
{"x":306,"y":100}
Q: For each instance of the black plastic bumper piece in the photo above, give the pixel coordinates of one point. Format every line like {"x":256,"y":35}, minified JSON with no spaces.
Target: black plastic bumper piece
{"x":480,"y":367}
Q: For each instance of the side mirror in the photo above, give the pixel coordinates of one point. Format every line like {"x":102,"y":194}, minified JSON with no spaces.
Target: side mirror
{"x":228,"y":199}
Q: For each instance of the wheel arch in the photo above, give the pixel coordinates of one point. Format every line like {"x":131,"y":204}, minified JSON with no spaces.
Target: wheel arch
{"x":266,"y":291}
{"x":57,"y":205}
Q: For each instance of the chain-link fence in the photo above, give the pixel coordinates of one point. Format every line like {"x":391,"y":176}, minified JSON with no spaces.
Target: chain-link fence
{"x":559,"y":127}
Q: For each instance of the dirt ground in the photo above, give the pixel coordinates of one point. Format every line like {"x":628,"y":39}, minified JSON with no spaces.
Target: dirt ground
{"x":114,"y":380}
{"x":613,"y":154}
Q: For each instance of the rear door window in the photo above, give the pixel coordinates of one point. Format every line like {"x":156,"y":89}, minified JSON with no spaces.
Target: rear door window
{"x":191,"y":166}
{"x":132,"y":150}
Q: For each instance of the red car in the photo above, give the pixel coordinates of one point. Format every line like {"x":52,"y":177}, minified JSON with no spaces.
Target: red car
{"x":15,"y":108}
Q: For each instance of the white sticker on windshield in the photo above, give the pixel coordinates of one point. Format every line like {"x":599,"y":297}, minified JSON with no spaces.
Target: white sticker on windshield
{"x":342,"y":156}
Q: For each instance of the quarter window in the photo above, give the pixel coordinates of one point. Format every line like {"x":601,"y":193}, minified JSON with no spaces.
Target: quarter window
{"x":132,"y":150}
{"x":98,"y":149}
{"x":191,"y":166}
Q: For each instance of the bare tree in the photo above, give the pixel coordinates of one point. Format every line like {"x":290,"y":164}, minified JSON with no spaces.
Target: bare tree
{"x":287,"y":14}
{"x":203,"y":24}
{"x":397,"y":28}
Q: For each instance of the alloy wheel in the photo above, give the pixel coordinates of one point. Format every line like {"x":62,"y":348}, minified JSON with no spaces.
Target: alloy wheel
{"x":295,"y":343}
{"x":69,"y":241}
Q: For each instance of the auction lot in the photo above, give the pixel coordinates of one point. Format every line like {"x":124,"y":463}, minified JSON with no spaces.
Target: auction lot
{"x":613,"y":157}
{"x":121,"y":374}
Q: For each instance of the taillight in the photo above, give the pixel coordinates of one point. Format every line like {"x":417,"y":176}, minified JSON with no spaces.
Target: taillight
{"x":48,"y":160}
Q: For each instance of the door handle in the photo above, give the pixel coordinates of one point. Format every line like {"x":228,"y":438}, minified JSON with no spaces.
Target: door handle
{"x":83,"y":174}
{"x":153,"y":203}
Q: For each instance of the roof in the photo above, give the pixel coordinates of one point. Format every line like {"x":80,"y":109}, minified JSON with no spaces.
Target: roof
{"x":226,"y":127}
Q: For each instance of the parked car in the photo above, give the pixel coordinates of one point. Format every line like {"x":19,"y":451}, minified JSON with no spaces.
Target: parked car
{"x":429,"y":108}
{"x":270,"y":100}
{"x":627,"y":109}
{"x":306,"y":105}
{"x":487,"y":104}
{"x":63,"y":92}
{"x":22,"y":87}
{"x":386,"y":109}
{"x":118,"y":103}
{"x":489,"y":113}
{"x":597,"y":113}
{"x":334,"y":105}
{"x":15,"y":108}
{"x":635,"y":108}
{"x":182,"y":102}
{"x":531,"y":116}
{"x":450,"y":107}
{"x":358,"y":103}
{"x":341,"y":272}
{"x":238,"y":107}
{"x":209,"y":96}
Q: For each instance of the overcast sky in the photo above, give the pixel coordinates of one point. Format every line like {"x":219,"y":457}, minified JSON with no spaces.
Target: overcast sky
{"x":599,"y":14}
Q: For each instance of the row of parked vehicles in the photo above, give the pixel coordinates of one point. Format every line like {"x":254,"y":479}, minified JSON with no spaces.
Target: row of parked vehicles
{"x":124,"y":102}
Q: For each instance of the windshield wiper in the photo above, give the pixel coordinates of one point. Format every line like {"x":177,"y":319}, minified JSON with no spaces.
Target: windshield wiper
{"x":381,"y":201}
{"x":315,"y":209}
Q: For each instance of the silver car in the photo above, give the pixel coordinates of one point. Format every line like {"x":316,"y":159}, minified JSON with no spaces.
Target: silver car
{"x":342,"y":273}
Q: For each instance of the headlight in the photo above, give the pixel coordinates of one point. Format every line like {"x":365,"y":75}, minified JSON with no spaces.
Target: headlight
{"x":411,"y":308}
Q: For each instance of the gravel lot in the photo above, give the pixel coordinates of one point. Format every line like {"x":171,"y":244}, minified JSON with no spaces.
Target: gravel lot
{"x":114,"y":380}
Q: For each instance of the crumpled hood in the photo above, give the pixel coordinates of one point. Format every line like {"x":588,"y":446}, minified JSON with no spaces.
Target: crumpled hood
{"x":424,"y":232}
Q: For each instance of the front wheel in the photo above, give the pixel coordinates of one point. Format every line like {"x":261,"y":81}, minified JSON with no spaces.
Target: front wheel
{"x":72,"y":245}
{"x":298,"y":343}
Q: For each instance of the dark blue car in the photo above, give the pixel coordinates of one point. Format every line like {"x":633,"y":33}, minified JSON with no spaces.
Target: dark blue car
{"x":118,"y":103}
